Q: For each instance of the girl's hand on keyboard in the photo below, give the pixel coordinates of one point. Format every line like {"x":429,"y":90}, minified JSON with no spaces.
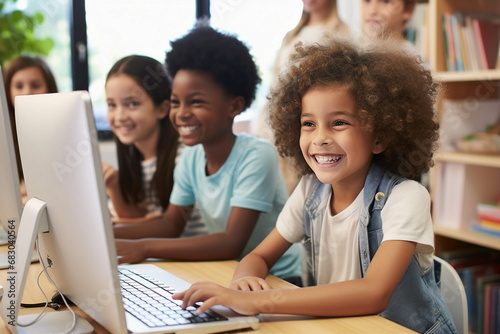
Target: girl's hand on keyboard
{"x":130,"y":251}
{"x":250,"y":283}
{"x":212,"y":294}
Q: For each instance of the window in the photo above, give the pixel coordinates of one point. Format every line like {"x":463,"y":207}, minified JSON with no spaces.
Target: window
{"x":56,"y":25}
{"x":261,"y":24}
{"x":118,"y":28}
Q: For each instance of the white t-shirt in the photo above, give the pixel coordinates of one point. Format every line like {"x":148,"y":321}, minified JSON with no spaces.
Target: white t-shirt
{"x":151,"y":199}
{"x":405,"y":216}
{"x":339,"y":258}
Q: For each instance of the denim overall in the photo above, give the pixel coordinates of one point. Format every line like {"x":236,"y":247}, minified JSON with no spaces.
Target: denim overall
{"x":416,"y":302}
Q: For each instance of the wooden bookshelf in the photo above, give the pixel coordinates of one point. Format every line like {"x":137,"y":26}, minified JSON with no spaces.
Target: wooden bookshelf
{"x":465,"y":76}
{"x":472,"y":85}
{"x":468,"y":236}
{"x":470,"y":159}
{"x":481,"y":172}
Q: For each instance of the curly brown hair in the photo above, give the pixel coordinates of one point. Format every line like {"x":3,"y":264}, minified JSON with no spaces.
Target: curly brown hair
{"x":394,"y":94}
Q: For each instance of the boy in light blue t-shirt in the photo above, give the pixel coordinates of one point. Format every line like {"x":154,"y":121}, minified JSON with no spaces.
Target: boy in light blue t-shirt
{"x":234,"y":180}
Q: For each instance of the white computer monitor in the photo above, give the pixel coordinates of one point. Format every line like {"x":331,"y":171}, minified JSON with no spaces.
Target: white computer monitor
{"x":64,"y":181}
{"x":10,"y":194}
{"x":68,"y":213}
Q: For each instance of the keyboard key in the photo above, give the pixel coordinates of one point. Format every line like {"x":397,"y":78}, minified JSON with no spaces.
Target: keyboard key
{"x":150,"y":301}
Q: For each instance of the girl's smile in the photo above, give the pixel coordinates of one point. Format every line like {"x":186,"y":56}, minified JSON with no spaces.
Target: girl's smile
{"x":124,"y":129}
{"x":327,"y":159}
{"x":132,"y":114}
{"x":332,"y":140}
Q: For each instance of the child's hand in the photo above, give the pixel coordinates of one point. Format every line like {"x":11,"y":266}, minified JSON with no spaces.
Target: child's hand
{"x":110,"y":175}
{"x":212,"y":294}
{"x":130,"y":251}
{"x":250,"y":283}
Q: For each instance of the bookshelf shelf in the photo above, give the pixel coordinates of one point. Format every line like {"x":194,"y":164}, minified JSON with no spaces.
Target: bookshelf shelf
{"x":468,"y":236}
{"x":470,"y":159}
{"x":482,"y":75}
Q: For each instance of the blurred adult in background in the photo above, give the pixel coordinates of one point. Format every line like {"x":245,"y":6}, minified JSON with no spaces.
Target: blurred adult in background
{"x":319,"y":18}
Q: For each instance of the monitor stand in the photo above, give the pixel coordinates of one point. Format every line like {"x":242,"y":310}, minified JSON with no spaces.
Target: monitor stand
{"x":33,"y":221}
{"x":4,"y":256}
{"x":4,"y":237}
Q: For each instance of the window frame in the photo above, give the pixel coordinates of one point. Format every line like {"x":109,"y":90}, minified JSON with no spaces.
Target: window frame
{"x":79,"y":47}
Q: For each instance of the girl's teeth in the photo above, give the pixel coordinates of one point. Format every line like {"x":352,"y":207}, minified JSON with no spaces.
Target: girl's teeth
{"x":327,"y":159}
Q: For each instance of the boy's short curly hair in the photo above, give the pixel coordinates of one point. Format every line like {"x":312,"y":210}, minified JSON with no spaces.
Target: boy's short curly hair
{"x":393,"y":91}
{"x":225,"y":57}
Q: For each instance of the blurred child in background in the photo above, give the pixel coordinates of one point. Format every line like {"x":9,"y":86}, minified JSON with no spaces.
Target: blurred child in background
{"x":26,"y":75}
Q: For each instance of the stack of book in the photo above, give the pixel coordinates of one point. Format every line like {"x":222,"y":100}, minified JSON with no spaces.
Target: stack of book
{"x":472,"y":41}
{"x":488,"y":219}
{"x":479,"y":269}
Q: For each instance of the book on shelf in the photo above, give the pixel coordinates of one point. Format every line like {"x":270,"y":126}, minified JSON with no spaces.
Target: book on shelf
{"x":488,"y":38}
{"x":457,"y":43}
{"x":477,"y":227}
{"x":491,"y":324}
{"x":470,"y":277}
{"x":482,"y":313}
{"x":450,"y":50}
{"x":489,"y":212}
{"x":471,"y":41}
{"x":496,"y":317}
{"x":471,"y":45}
{"x":463,"y":44}
{"x":488,"y":219}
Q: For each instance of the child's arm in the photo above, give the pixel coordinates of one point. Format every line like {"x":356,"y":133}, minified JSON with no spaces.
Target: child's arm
{"x":149,"y":216}
{"x":123,"y":209}
{"x":218,"y":246}
{"x":169,"y":225}
{"x":368,"y":295}
{"x":253,"y":268}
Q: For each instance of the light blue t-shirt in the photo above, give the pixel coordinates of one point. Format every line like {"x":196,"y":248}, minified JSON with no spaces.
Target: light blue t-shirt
{"x":250,"y":179}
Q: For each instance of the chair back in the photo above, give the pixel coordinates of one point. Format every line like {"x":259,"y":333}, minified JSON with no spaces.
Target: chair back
{"x":453,"y":293}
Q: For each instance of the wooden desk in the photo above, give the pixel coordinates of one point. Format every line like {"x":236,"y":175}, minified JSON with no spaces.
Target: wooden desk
{"x":221,"y":272}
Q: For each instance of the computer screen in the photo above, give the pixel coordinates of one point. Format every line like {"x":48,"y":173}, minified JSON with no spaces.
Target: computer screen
{"x":10,"y":194}
{"x":62,"y":168}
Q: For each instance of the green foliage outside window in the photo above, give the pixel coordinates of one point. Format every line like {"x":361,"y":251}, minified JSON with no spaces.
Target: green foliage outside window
{"x":17,"y":33}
